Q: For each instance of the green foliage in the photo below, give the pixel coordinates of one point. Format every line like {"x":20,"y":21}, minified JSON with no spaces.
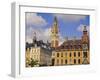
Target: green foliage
{"x":27,"y":62}
{"x":33,"y":62}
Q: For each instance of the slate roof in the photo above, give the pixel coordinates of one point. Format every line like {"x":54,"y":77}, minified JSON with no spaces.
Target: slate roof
{"x":71,"y":45}
{"x":39,"y":43}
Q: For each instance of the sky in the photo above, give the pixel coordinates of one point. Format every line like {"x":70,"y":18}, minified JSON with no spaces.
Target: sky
{"x":70,"y":25}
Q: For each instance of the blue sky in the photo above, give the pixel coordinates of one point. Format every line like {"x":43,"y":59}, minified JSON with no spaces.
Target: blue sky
{"x":70,"y":25}
{"x":67,"y":28}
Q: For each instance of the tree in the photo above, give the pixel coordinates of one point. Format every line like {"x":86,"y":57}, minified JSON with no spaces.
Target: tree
{"x":27,"y":62}
{"x":33,"y":62}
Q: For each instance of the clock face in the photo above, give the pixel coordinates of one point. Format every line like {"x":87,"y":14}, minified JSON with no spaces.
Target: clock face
{"x":85,"y":47}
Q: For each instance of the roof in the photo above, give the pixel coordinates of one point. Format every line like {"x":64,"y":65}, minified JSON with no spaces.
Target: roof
{"x":71,"y":45}
{"x":39,"y":43}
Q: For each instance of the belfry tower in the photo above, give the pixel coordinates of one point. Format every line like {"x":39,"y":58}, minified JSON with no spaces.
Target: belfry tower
{"x":85,"y":37}
{"x":85,"y":46}
{"x":54,"y":34}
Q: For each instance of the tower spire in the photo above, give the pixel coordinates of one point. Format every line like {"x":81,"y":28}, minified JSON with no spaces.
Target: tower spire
{"x":54,"y":34}
{"x":34,"y":37}
{"x":85,"y":37}
{"x":55,"y":20}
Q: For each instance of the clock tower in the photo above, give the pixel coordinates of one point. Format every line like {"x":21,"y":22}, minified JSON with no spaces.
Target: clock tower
{"x":85,"y":46}
{"x":85,"y":38}
{"x":54,"y":34}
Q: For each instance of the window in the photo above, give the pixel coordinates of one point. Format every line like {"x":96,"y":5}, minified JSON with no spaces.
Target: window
{"x":79,"y":61}
{"x":74,"y":61}
{"x":70,"y":54}
{"x":74,"y":54}
{"x":57,"y":61}
{"x":85,"y":54}
{"x":57,"y":54}
{"x":78,"y":54}
{"x":66,"y":54}
{"x":66,"y":61}
{"x":61,"y":61}
{"x":61,"y":54}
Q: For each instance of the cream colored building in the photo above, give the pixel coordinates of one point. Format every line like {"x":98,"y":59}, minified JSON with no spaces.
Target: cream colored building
{"x":70,"y":52}
{"x":70,"y":56}
{"x":65,"y":57}
{"x":27,"y":57}
{"x":41,"y":55}
{"x":38,"y":51}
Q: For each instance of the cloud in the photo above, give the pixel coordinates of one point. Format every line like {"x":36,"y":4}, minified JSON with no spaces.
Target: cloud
{"x":28,"y":39}
{"x":35,"y":20}
{"x":41,"y":34}
{"x":81,"y":27}
{"x":61,"y":39}
{"x":70,"y":17}
{"x":47,"y":34}
{"x":35,"y":23}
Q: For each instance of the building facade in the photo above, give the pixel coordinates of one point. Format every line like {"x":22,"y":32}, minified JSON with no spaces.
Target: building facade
{"x":39,"y":52}
{"x":70,"y":52}
{"x":42,"y":55}
{"x":27,"y":57}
